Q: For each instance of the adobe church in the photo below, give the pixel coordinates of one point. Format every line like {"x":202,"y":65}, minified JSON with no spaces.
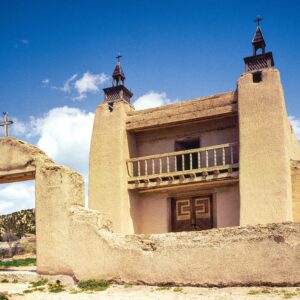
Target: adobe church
{"x":219,"y":161}
{"x":224,"y":160}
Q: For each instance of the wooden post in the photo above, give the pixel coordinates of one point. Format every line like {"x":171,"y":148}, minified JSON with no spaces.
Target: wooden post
{"x":199,"y":160}
{"x":160,"y":166}
{"x":191,"y":161}
{"x":139,"y":168}
{"x":223,"y":156}
{"x":231,"y":155}
{"x":153,"y":168}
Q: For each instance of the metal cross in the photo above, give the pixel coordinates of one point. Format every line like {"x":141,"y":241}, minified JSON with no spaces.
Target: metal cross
{"x":118,"y":57}
{"x":258,"y":20}
{"x":5,"y":124}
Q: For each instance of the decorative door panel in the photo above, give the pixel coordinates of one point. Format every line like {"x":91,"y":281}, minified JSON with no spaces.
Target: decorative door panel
{"x":192,"y":213}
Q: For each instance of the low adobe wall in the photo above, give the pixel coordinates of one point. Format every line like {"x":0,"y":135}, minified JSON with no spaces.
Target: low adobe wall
{"x":253,"y":255}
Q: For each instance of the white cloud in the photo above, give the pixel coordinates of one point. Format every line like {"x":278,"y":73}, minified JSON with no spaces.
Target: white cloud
{"x":89,"y":83}
{"x":78,"y":89}
{"x":24,"y":41}
{"x":68,"y":84}
{"x":296,"y":125}
{"x":151,"y":99}
{"x":64,"y":133}
{"x":45,"y":82}
{"x":16,"y":196}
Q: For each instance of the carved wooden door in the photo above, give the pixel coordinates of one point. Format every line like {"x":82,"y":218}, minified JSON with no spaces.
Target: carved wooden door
{"x":192,"y":213}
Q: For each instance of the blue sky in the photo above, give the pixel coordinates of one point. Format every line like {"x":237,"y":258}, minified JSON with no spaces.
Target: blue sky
{"x":60,"y":53}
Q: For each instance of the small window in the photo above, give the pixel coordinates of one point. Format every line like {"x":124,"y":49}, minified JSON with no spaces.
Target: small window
{"x":257,"y":76}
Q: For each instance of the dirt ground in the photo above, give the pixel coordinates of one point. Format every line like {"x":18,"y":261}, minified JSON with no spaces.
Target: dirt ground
{"x":120,"y":292}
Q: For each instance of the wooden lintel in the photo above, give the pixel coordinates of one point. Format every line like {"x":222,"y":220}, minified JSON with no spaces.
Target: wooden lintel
{"x":17,"y":177}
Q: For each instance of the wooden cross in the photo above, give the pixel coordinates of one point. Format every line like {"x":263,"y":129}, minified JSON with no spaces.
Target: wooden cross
{"x":258,"y":20}
{"x":118,"y":57}
{"x":5,"y":124}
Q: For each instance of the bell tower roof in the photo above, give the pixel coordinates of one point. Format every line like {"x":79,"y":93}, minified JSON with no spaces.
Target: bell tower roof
{"x":257,"y":61}
{"x":118,"y":74}
{"x":117,"y":91}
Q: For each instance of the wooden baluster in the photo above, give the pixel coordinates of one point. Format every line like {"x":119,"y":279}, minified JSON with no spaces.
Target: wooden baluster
{"x":231,"y":155}
{"x":191,"y":161}
{"x":130,"y":169}
{"x":139,"y":168}
{"x":153,"y":166}
{"x":146,"y":168}
{"x":223,"y":156}
{"x":215,"y":157}
{"x":168,"y":164}
{"x":199,"y":160}
{"x":206,"y":157}
{"x":160,"y":166}
{"x":175,"y":163}
{"x":183,"y":162}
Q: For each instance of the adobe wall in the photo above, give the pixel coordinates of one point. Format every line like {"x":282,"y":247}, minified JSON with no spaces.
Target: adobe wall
{"x":213,"y":132}
{"x":256,"y":255}
{"x":265,"y":171}
{"x":296,"y":190}
{"x":109,"y":150}
{"x":154,"y":209}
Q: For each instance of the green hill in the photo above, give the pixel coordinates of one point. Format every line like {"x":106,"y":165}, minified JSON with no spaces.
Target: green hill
{"x":18,"y":223}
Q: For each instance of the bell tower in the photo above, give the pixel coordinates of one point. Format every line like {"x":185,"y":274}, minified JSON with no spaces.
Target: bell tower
{"x":117,"y":91}
{"x":109,"y":152}
{"x":257,"y":62}
{"x":264,"y":159}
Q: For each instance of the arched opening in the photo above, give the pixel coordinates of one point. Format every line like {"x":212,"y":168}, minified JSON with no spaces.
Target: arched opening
{"x":17,"y":224}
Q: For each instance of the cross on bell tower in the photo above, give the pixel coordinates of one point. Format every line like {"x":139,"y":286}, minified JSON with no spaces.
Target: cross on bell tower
{"x":6,"y":123}
{"x":257,"y":61}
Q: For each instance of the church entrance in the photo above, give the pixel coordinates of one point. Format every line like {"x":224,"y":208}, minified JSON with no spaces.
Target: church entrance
{"x":191,"y":213}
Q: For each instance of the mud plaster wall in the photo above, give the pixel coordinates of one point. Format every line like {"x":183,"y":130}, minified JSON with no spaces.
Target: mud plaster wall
{"x":265,"y":171}
{"x":246,"y":255}
{"x":211,"y":133}
{"x":296,"y":190}
{"x":154,"y":210}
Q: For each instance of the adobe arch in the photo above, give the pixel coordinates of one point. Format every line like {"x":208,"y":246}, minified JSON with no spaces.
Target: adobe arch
{"x":56,"y":189}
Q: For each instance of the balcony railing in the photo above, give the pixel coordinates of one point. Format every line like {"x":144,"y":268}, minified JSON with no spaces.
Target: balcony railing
{"x":188,"y":164}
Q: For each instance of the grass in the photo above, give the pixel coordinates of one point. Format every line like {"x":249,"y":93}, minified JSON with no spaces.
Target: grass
{"x":288,"y":295}
{"x":39,"y":282}
{"x":4,"y":281}
{"x":18,"y":263}
{"x":178,"y":290}
{"x":253,"y":292}
{"x":3,"y":297}
{"x":55,"y":287}
{"x":93,"y":285}
{"x":126,"y":286}
{"x":163,"y":288}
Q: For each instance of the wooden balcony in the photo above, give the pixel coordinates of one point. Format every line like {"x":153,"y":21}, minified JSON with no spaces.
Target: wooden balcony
{"x":182,"y":167}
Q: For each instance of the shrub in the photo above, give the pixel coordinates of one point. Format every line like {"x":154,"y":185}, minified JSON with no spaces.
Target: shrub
{"x":93,"y":285}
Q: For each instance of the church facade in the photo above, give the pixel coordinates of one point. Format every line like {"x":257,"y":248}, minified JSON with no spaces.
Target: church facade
{"x":220,"y":161}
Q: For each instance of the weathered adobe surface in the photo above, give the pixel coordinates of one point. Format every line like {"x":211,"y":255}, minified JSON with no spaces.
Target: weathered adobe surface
{"x":237,"y":256}
{"x":186,"y":111}
{"x":18,"y":155}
